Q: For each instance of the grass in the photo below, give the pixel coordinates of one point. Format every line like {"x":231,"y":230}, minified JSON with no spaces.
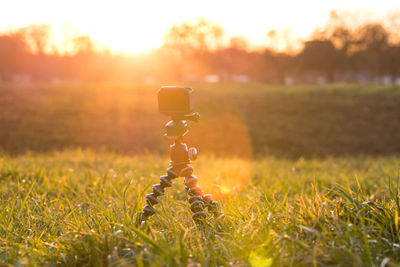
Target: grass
{"x":293,"y":121}
{"x":77,"y":208}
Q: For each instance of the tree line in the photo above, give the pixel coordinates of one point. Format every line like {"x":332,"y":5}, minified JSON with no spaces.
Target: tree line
{"x":338,"y":51}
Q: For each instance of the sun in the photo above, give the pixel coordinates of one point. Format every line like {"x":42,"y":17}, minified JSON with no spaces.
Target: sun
{"x":123,"y":26}
{"x":126,"y":39}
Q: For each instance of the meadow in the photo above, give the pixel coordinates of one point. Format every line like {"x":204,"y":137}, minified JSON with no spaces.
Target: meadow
{"x":294,"y":121}
{"x":306,"y":176}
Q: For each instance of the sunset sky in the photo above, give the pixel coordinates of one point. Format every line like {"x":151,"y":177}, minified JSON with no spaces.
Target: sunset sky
{"x":137,"y":26}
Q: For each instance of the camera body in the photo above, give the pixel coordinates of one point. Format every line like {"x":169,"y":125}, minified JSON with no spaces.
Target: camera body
{"x":175,"y":101}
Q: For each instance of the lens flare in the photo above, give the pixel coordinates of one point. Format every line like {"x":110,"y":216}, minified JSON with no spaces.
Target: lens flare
{"x":224,"y":165}
{"x":223,"y":177}
{"x":222,"y":135}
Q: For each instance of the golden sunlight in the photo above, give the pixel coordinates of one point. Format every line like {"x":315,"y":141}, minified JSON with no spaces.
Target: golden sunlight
{"x":223,"y":177}
{"x":138,"y":26}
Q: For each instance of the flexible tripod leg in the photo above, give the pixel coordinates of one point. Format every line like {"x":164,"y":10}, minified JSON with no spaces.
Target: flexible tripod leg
{"x":198,"y":200}
{"x":158,"y":190}
{"x":195,"y":194}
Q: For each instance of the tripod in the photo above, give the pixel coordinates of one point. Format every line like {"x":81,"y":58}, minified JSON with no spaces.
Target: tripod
{"x":181,"y":157}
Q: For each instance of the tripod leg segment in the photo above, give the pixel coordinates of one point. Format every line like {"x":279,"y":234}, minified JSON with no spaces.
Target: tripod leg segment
{"x":195,"y":194}
{"x":212,"y":206}
{"x":158,"y":190}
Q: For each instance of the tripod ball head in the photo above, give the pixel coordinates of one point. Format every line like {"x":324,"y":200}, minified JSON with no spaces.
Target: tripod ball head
{"x":176,"y":129}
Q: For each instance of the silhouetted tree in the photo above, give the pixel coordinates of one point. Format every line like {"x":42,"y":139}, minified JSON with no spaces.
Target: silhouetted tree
{"x":189,"y":42}
{"x":320,"y":56}
{"x":373,"y":46}
{"x":345,"y":45}
{"x":13,"y":54}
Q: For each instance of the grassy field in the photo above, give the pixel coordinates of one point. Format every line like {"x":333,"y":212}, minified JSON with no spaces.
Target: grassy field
{"x":77,"y":207}
{"x":306,"y":175}
{"x":295,"y":121}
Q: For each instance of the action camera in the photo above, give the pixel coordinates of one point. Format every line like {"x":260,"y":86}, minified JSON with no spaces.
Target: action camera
{"x":175,"y":101}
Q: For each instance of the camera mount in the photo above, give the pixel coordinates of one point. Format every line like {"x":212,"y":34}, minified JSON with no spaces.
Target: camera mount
{"x":180,"y":158}
{"x":178,"y":125}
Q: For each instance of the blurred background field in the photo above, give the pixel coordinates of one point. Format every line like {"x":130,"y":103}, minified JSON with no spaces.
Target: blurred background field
{"x":243,"y":120}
